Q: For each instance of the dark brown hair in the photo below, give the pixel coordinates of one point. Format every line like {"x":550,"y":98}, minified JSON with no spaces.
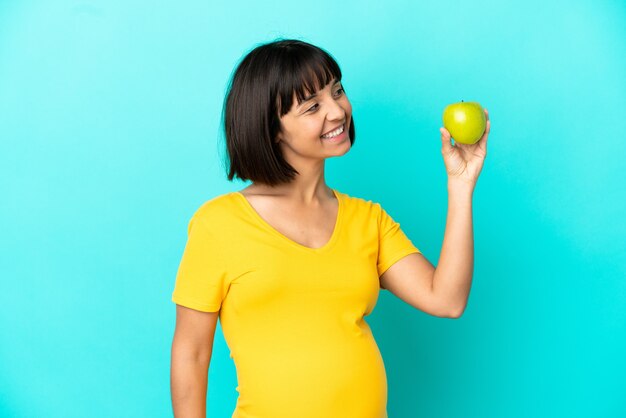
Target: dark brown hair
{"x":261,"y":91}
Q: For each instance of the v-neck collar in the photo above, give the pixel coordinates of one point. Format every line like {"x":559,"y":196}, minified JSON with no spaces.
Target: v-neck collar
{"x":324,"y":248}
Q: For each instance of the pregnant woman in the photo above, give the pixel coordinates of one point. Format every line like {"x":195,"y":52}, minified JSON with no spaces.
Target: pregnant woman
{"x":290,"y":266}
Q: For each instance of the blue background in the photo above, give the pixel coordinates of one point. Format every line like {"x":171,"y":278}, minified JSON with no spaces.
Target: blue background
{"x":110,"y":139}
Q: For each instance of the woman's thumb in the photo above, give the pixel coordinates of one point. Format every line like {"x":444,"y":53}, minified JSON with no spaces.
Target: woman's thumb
{"x":446,"y":145}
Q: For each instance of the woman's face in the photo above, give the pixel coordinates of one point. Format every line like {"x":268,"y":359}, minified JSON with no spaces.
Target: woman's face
{"x":305,"y":126}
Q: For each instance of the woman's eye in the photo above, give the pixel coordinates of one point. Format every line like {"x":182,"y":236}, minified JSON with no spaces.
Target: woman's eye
{"x":312,"y":108}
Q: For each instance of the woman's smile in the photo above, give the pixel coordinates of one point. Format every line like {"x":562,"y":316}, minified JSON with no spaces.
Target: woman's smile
{"x":337,"y":135}
{"x":339,"y":138}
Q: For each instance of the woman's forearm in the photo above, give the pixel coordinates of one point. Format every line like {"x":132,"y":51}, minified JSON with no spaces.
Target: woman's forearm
{"x":453,"y":275}
{"x":188,"y":383}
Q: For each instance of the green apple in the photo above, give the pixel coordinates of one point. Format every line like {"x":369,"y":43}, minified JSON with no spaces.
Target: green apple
{"x":465,"y":121}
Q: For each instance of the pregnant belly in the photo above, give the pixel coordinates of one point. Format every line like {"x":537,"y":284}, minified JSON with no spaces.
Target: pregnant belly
{"x":313,"y":379}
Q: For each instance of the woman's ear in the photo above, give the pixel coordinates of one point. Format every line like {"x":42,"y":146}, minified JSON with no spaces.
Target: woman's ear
{"x":279,"y":136}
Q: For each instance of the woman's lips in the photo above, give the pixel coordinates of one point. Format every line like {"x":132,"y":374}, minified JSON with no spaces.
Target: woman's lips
{"x":337,"y":138}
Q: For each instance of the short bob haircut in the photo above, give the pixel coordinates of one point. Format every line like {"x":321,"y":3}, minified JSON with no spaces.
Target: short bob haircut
{"x":261,"y":91}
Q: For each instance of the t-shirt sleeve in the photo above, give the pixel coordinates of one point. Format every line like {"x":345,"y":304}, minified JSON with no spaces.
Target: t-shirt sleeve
{"x":201,"y":280}
{"x":393,"y":244}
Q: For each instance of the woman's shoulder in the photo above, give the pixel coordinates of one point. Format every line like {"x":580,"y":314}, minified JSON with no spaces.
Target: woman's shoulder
{"x":217,"y":208}
{"x":358,"y":203}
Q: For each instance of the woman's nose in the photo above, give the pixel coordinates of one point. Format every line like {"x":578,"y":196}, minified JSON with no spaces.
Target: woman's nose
{"x":336,"y":111}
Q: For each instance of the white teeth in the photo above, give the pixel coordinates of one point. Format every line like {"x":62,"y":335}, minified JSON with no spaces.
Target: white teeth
{"x":334,"y":133}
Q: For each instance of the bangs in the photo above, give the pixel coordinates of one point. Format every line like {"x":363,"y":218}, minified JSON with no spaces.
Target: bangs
{"x":304,"y":74}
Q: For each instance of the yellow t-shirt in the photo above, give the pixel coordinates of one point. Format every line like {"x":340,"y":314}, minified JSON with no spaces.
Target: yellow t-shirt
{"x":293,"y":316}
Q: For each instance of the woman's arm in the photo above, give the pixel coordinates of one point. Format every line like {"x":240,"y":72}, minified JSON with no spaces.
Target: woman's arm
{"x":191,"y":355}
